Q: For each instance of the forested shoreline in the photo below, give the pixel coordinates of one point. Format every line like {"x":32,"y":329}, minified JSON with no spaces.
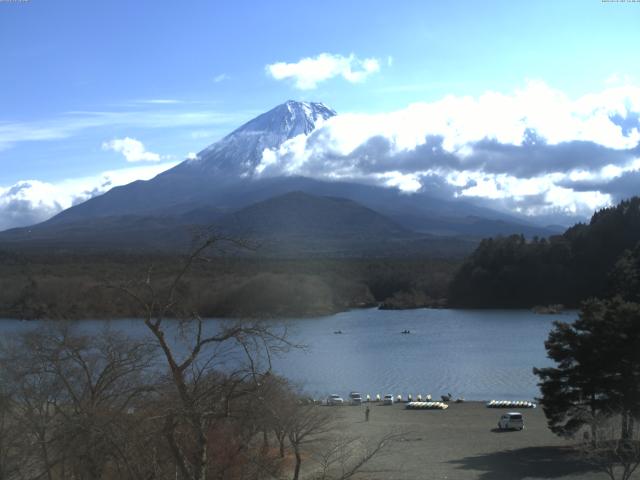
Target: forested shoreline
{"x":86,"y":286}
{"x":586,"y":261}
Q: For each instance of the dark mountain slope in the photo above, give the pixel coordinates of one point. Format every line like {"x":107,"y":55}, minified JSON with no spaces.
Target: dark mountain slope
{"x":219,"y":171}
{"x":292,"y":225}
{"x":298,"y":214}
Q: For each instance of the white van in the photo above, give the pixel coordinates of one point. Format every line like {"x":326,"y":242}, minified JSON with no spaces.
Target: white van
{"x":388,"y":399}
{"x":511,"y":421}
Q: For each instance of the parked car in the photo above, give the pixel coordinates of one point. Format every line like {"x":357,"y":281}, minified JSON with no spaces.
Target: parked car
{"x":511,"y":421}
{"x":335,"y":399}
{"x":388,"y":399}
{"x":355,"y":398}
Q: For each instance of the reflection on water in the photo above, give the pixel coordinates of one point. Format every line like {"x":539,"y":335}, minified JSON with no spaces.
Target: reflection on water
{"x":476,"y":354}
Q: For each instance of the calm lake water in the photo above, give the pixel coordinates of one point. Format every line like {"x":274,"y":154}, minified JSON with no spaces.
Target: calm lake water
{"x":476,"y":354}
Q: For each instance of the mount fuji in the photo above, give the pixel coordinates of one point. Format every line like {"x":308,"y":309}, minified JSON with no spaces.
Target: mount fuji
{"x":240,"y":152}
{"x":222,"y":186}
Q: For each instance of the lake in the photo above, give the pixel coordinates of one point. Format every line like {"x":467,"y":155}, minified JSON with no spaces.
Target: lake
{"x":475,"y":354}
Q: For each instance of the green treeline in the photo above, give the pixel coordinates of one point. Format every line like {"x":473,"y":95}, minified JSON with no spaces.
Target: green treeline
{"x":588,"y":260}
{"x":82,"y":286}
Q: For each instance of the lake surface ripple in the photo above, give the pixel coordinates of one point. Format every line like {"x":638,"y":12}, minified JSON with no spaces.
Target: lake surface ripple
{"x":475,"y":354}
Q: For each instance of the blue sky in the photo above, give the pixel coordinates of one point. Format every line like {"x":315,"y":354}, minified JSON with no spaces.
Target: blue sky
{"x":79,"y":78}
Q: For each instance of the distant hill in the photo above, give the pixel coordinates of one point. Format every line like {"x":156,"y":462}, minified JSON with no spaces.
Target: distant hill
{"x":299,"y":214}
{"x":566,"y":269}
{"x":300,"y":224}
{"x":127,"y":233}
{"x":293,"y":224}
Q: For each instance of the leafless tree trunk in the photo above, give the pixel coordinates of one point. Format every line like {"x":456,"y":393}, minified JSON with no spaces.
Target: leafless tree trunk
{"x":614,"y":447}
{"x":306,"y":423}
{"x":344,"y":457}
{"x":9,"y":447}
{"x":198,"y":405}
{"x":72,"y":394}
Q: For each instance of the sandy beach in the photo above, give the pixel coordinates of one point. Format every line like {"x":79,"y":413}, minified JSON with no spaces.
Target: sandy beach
{"x":463,"y":443}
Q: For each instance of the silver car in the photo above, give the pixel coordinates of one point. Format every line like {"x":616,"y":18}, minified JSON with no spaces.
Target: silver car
{"x":355,"y":398}
{"x":511,"y":421}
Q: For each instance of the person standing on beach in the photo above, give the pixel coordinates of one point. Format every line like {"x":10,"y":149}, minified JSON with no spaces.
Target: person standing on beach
{"x":367,"y":411}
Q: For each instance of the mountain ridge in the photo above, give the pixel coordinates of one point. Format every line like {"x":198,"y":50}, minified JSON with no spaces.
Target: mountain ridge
{"x":222,"y":180}
{"x":240,"y":152}
{"x":295,"y":224}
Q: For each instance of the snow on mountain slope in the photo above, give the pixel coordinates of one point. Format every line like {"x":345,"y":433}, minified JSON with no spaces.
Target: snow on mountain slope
{"x":240,"y":152}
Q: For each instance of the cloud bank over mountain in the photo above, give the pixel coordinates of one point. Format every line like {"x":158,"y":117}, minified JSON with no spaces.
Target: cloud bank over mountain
{"x":523,"y":151}
{"x":533,"y":151}
{"x":32,"y":201}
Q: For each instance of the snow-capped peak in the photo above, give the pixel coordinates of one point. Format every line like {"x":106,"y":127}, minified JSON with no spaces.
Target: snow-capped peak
{"x":303,"y":117}
{"x":241,"y":151}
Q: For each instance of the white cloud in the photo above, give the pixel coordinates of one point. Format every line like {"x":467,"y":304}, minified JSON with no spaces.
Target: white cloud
{"x":73,"y":123}
{"x":161,"y":101}
{"x":310,"y":71}
{"x":513,"y":148}
{"x":192,"y":156}
{"x":618,"y":79}
{"x":508,"y":187}
{"x":132,"y":149}
{"x":11,"y":133}
{"x":31,"y":201}
{"x":198,"y":134}
{"x":409,"y":182}
{"x":220,"y":78}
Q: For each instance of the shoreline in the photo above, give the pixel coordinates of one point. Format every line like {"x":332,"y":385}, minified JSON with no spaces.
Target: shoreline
{"x":311,"y":315}
{"x":462,"y":443}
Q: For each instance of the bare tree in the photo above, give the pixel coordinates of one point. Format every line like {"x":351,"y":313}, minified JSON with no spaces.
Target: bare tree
{"x":35,"y":394}
{"x":200,"y":402}
{"x":278,"y":402}
{"x":610,"y":449}
{"x":307,"y":424}
{"x":10,"y":444}
{"x":74,"y":396}
{"x":345,"y":456}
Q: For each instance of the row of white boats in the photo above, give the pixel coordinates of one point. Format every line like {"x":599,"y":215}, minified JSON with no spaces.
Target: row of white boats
{"x":401,"y":399}
{"x":510,"y":404}
{"x":426,"y":406}
{"x":420,"y":401}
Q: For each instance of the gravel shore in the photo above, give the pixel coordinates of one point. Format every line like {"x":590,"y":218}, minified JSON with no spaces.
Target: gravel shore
{"x":463,"y":443}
